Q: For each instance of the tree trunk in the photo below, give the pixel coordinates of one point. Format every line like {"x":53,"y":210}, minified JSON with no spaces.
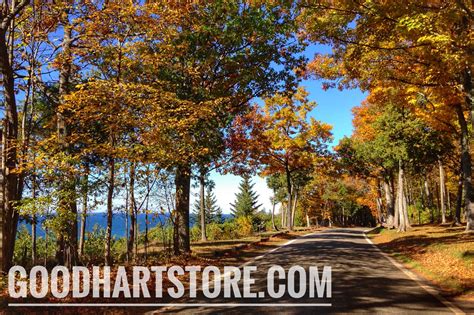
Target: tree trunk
{"x":429,"y":198}
{"x":283,"y":214}
{"x":343,"y":217}
{"x":181,"y":226}
{"x":466,"y":170}
{"x":448,"y":202}
{"x":442,"y":192}
{"x":146,"y":221}
{"x":379,"y":202}
{"x":459,"y":200}
{"x":85,"y":192}
{"x":273,"y":213}
{"x":68,"y":247}
{"x":468,"y":87}
{"x":202,"y":204}
{"x":110,"y":195}
{"x":396,"y":217}
{"x":401,"y":200}
{"x":289,"y":188}
{"x":33,"y":222}
{"x":133,"y":218}
{"x":10,"y":134}
{"x":293,"y":210}
{"x":389,"y":201}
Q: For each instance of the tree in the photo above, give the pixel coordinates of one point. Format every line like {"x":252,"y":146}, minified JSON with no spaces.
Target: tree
{"x":276,"y":182}
{"x":396,"y":140}
{"x":9,"y":11}
{"x":280,"y":139}
{"x":379,"y":43}
{"x":246,"y":200}
{"x":212,"y":212}
{"x":223,"y":55}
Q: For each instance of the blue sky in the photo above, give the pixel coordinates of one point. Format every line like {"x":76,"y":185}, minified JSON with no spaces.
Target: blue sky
{"x":333,"y":107}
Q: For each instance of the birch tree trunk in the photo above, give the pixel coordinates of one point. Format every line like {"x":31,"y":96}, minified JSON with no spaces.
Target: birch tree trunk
{"x":293,"y":209}
{"x":390,"y":204}
{"x":442,"y":192}
{"x":273,"y":213}
{"x":289,"y":187}
{"x":401,"y":200}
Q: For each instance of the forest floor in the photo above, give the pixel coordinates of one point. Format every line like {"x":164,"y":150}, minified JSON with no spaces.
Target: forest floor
{"x":442,"y":254}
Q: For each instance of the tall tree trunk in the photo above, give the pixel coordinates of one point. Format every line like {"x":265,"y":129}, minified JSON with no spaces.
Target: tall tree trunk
{"x":273,"y":212}
{"x":466,"y":170}
{"x":468,"y":87}
{"x":183,"y":183}
{"x":293,"y":210}
{"x":283,"y":214}
{"x":3,"y":230}
{"x":289,"y":188}
{"x":110,"y":195}
{"x":202,"y":204}
{"x":85,"y":192}
{"x":401,"y":200}
{"x":126,"y":212}
{"x":459,"y":200}
{"x":390,"y":203}
{"x":46,"y":240}
{"x":379,"y":202}
{"x":429,"y":198}
{"x":442,"y":192}
{"x":396,"y":217}
{"x":10,"y":134}
{"x":448,"y":201}
{"x":67,"y":244}
{"x":133,"y":218}
{"x":343,"y":217}
{"x":146,"y":222}
{"x":33,"y":222}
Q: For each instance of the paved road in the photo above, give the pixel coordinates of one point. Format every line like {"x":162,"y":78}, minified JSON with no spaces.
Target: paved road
{"x":363,"y":280}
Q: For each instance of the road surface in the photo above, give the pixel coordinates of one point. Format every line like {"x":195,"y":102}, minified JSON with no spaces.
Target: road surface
{"x":363,"y":280}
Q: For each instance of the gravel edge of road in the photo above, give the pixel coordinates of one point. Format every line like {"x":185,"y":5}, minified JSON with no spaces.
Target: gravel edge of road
{"x":421,"y":281}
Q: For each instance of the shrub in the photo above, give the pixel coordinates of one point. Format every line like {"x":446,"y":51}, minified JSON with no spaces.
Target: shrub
{"x":229,"y":230}
{"x":214,"y":231}
{"x":244,"y":226}
{"x":195,"y":233}
{"x":94,"y":248}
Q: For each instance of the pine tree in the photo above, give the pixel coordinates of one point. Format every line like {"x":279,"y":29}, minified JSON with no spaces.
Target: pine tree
{"x":212,"y":210}
{"x":246,"y":202}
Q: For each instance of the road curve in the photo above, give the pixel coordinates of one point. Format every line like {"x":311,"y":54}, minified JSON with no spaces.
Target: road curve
{"x":363,"y":280}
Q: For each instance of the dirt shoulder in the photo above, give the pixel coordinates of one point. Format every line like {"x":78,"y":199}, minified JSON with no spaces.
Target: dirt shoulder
{"x":442,"y":254}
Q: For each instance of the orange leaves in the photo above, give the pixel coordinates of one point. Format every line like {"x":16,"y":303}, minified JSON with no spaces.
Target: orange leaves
{"x":135,"y":121}
{"x":280,"y":136}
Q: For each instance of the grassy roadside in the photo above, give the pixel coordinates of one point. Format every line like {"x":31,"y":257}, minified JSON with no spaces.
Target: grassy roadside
{"x":443,"y":255}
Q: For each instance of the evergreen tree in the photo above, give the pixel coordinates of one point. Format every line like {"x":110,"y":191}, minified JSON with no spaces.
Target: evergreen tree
{"x":246,"y":202}
{"x":212,"y":210}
